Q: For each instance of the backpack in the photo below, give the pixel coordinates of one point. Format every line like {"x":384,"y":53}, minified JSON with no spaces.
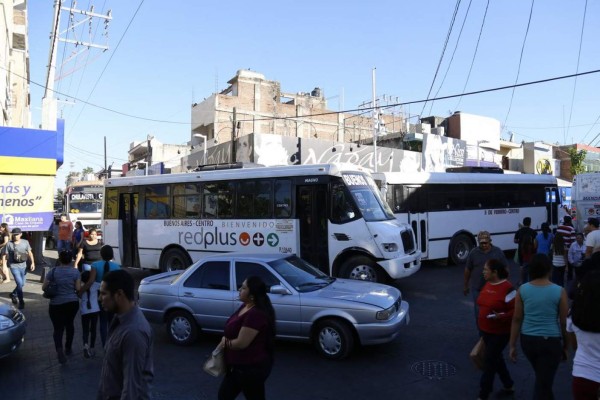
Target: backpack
{"x":526,"y":244}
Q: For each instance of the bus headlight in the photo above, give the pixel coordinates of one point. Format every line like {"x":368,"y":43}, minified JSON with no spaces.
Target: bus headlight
{"x":389,"y":247}
{"x":386,"y":314}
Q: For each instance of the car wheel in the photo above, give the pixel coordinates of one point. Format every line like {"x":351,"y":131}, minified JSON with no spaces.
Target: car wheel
{"x":333,"y":339}
{"x":182,"y":328}
{"x":361,"y":268}
{"x":173,"y":260}
{"x":460,"y":247}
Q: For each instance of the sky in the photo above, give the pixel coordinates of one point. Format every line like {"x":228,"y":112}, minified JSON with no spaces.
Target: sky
{"x":162,"y":59}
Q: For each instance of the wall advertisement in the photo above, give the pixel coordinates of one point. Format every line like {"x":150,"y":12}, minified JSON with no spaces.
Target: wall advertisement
{"x":26,"y":202}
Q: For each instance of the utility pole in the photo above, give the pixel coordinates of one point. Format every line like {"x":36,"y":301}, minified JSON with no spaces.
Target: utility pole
{"x":49,"y":103}
{"x":233,"y":128}
{"x":375,"y":123}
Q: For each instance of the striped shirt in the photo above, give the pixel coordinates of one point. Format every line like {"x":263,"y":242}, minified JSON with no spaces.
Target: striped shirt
{"x":568,"y":234}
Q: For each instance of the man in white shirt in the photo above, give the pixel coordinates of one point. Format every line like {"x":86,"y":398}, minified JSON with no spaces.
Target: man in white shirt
{"x":576,"y":254}
{"x":592,"y":240}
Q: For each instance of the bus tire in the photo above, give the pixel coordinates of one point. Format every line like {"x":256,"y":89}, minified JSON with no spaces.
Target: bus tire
{"x":174,"y":259}
{"x":460,"y":247}
{"x":361,"y":268}
{"x":181,"y":328}
{"x":333,"y":339}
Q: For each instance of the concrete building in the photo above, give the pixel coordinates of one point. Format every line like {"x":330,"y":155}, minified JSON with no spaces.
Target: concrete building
{"x":14,"y":64}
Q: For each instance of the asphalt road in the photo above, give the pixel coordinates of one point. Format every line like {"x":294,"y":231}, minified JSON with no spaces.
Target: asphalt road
{"x":429,"y":360}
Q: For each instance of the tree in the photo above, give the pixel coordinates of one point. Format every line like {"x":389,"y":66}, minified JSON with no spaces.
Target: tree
{"x":87,"y":170}
{"x":577,"y":158}
{"x":72,"y":177}
{"x":60,"y":193}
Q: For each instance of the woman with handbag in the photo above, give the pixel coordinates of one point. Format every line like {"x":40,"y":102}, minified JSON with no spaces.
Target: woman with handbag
{"x":496,"y":306}
{"x":248,"y":343}
{"x":64,"y":304}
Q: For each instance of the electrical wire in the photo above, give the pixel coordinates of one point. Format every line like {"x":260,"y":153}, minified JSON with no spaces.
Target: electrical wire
{"x":443,"y":52}
{"x":474,"y":53}
{"x":64,"y":52}
{"x":451,"y":58}
{"x":106,"y":65}
{"x":520,"y":60}
{"x":577,"y":69}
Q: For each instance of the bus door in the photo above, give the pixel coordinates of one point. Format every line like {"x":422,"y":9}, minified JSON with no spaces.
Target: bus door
{"x":128,"y":212}
{"x":414,"y":203}
{"x":552,"y":204}
{"x":311,"y":211}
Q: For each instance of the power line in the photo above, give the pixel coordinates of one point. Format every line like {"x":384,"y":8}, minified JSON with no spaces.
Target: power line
{"x":577,"y":68}
{"x":520,"y":60}
{"x":452,"y":57}
{"x":300,"y":117}
{"x":474,"y":53}
{"x":443,"y":51}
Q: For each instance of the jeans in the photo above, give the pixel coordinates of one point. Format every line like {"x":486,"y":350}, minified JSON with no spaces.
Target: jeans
{"x":585,"y":389}
{"x":63,"y":245}
{"x":558,"y":275}
{"x":89,"y":326}
{"x":246,"y":379}
{"x":544,"y":355}
{"x":494,"y":364}
{"x":475,"y":293}
{"x":18,"y":274}
{"x":62,"y":316}
{"x":105,"y":319}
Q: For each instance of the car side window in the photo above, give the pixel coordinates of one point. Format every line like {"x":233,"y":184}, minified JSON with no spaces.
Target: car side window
{"x":246,"y":269}
{"x":210,"y":275}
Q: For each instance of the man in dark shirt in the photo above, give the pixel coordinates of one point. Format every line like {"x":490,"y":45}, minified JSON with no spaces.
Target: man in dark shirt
{"x":127,"y":368}
{"x":524,"y":230}
{"x":473,"y":275}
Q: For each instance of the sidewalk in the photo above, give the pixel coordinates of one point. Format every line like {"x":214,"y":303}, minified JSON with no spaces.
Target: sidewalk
{"x":33,"y":372}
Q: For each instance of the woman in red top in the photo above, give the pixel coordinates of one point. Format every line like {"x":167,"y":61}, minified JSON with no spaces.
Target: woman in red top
{"x":248,"y":343}
{"x":496,"y":306}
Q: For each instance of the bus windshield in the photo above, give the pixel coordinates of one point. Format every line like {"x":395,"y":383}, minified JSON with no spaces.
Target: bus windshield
{"x":86,"y":206}
{"x":367,"y":197}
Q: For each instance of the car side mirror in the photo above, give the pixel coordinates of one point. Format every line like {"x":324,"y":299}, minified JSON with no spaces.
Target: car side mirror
{"x":279,"y":289}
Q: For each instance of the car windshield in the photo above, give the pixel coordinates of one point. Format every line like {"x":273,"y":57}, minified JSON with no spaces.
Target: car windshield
{"x":367,"y":198}
{"x":300,"y":274}
{"x":86,"y":207}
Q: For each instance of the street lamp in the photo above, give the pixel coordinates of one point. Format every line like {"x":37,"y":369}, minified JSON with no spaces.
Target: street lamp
{"x":203,"y":137}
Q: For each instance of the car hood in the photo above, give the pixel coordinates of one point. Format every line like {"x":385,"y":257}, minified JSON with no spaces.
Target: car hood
{"x":165,"y":278}
{"x":360,"y":291}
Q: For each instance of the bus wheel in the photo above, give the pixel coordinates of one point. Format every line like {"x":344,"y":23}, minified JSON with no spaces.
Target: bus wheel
{"x":181,"y":328}
{"x":361,"y":268}
{"x":460,"y":247}
{"x":173,"y":260}
{"x":333,"y":339}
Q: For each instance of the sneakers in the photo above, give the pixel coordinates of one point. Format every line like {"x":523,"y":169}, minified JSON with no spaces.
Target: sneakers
{"x":14,"y":298}
{"x":61,"y":356}
{"x":86,"y":351}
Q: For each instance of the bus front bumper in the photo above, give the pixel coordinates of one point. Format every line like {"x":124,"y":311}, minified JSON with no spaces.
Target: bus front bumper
{"x":402,"y":267}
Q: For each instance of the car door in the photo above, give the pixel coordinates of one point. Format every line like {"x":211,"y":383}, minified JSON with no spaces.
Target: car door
{"x":287,"y":306}
{"x":207,"y":291}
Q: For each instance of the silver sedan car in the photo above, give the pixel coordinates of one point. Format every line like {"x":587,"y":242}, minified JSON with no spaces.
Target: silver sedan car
{"x":334,"y":313}
{"x":12,"y":328}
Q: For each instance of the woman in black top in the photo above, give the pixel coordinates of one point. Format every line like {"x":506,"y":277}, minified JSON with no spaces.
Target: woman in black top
{"x":89,"y":251}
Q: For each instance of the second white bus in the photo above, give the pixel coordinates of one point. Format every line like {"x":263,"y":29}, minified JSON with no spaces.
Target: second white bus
{"x":447,"y":209}
{"x":330,"y":215}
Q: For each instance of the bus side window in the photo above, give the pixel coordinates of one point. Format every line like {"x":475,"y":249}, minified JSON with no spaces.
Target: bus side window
{"x":111,"y":209}
{"x":283,"y":198}
{"x":342,"y":208}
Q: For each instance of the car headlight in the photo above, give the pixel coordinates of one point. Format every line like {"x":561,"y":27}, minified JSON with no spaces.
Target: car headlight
{"x":386,"y":314}
{"x":6,"y":323}
{"x":389,"y":247}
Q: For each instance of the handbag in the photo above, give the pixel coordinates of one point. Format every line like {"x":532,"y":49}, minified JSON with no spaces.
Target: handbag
{"x":215,"y":364}
{"x":51,"y":289}
{"x":477,"y":354}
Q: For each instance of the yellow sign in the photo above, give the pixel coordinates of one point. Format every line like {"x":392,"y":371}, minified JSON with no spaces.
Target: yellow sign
{"x":26,"y":201}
